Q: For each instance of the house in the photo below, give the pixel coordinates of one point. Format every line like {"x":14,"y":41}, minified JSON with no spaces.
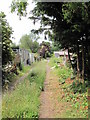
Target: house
{"x":62,"y":53}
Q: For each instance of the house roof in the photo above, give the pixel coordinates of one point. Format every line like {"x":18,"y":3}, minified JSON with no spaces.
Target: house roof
{"x":62,"y":52}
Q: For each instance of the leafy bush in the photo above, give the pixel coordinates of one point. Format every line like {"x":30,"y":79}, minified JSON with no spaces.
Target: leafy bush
{"x":78,"y":87}
{"x":55,"y":60}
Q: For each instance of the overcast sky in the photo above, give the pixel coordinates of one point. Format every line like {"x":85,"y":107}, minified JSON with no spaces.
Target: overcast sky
{"x":20,"y":27}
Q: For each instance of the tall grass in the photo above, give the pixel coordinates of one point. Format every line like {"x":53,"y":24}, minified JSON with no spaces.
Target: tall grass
{"x":24,"y":102}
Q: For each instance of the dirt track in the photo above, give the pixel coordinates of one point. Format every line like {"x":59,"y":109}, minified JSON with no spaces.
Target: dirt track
{"x":50,"y":106}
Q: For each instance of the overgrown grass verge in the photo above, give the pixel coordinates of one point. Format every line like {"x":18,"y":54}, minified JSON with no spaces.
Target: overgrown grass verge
{"x":78,"y":100}
{"x":24,"y":70}
{"x":12,"y":77}
{"x":74,"y":92}
{"x":24,"y":102}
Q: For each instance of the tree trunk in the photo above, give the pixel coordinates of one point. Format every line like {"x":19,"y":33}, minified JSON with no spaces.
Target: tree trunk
{"x":88,"y":63}
{"x":78,"y":70}
{"x":69,"y":57}
{"x":83,"y":66}
{"x":88,"y":56}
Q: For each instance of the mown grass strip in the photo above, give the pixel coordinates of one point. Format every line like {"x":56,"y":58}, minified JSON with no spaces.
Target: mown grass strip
{"x":24,"y":102}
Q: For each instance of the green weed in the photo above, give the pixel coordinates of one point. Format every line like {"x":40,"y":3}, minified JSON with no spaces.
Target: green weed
{"x":75,"y":93}
{"x":24,"y":102}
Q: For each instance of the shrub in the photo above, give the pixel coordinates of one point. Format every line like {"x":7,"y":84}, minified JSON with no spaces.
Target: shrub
{"x":79,"y":87}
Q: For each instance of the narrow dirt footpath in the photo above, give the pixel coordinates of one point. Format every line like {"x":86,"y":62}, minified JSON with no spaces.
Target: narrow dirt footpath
{"x":12,"y":85}
{"x":18,"y":81}
{"x":51,"y":107}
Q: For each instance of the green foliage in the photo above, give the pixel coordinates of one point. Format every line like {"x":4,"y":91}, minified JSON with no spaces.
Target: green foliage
{"x":20,"y":7}
{"x":35,"y":47}
{"x":78,"y":100}
{"x":78,"y":86}
{"x":24,"y":102}
{"x":24,"y":69}
{"x":21,"y":67}
{"x":37,"y":75}
{"x":11,"y":77}
{"x":29,"y":42}
{"x":62,"y":71}
{"x":64,"y":23}
{"x":45,"y":50}
{"x":7,"y":52}
{"x":55,"y":47}
{"x":74,"y":92}
{"x":55,"y":60}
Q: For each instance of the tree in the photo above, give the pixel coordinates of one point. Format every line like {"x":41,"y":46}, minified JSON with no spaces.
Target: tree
{"x":35,"y":47}
{"x":80,"y":22}
{"x":29,"y":42}
{"x":68,"y":22}
{"x":20,"y":7}
{"x":7,"y":52}
{"x":45,"y":49}
{"x":68,"y":26}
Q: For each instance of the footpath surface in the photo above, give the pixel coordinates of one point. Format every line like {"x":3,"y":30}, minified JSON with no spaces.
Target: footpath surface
{"x":51,"y":107}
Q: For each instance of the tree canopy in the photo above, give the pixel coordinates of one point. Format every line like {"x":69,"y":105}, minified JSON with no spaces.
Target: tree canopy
{"x":29,"y":42}
{"x":45,"y":49}
{"x":70,"y":26}
{"x":7,"y":52}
